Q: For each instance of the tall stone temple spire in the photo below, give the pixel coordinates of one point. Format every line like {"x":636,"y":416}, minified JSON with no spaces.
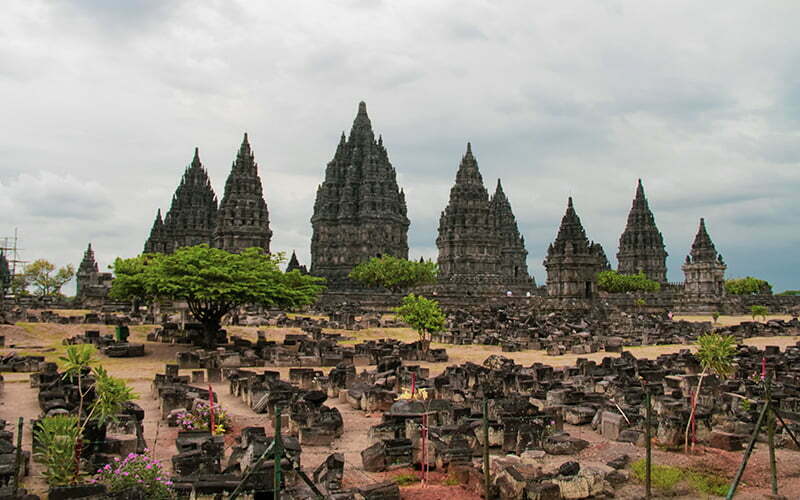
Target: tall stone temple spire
{"x":513,"y":255}
{"x":641,"y":246}
{"x":294,"y":265}
{"x":243,"y":218}
{"x":468,"y":242}
{"x":159,"y":241}
{"x":92,"y":286}
{"x":359,"y":212}
{"x":192,"y":215}
{"x":704,"y":269}
{"x":572,"y":260}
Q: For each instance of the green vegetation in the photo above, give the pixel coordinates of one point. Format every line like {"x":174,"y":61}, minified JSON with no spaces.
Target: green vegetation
{"x":44,"y":278}
{"x":423,"y":315}
{"x":666,"y":477}
{"x":5,"y":273}
{"x":214,"y":282}
{"x":59,"y":437}
{"x":759,"y":311}
{"x":715,"y":316}
{"x":451,"y":480}
{"x":747,"y":286}
{"x":394,"y":274}
{"x":715,"y":353}
{"x":789,"y":293}
{"x":405,"y":479}
{"x":614,"y":282}
{"x":662,"y":477}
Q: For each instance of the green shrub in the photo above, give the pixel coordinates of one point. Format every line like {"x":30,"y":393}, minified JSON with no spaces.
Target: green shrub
{"x":789,"y":293}
{"x":614,"y":282}
{"x":55,"y":438}
{"x":138,"y":471}
{"x":759,"y":311}
{"x":747,"y":286}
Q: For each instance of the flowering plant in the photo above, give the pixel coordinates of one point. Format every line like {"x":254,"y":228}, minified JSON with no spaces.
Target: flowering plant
{"x":138,"y":471}
{"x":199,"y":418}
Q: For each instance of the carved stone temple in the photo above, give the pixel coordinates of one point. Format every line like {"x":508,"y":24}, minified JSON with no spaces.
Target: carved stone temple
{"x":241,"y":221}
{"x":92,"y":286}
{"x":359,"y":212}
{"x":479,"y":241}
{"x":243,"y":217}
{"x":704,"y":269}
{"x":641,"y":246}
{"x":572,"y":260}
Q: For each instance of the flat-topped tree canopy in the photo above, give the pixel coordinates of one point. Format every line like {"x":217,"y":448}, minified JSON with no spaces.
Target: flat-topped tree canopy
{"x":214,"y":282}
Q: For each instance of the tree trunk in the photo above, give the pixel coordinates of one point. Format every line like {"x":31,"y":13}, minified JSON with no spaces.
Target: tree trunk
{"x":692,"y":412}
{"x":210,"y":330}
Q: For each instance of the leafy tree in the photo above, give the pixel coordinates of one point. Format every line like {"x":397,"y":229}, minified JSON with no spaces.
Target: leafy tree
{"x":789,"y":293}
{"x":715,"y":353}
{"x":423,"y":315}
{"x":715,"y":316}
{"x":614,"y":282}
{"x":747,"y":286}
{"x":45,"y":279}
{"x":214,"y":282}
{"x":19,"y":285}
{"x":759,"y":311}
{"x":394,"y":274}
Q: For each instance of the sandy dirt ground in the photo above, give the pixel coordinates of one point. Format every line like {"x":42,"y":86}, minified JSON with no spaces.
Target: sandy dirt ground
{"x":18,"y":399}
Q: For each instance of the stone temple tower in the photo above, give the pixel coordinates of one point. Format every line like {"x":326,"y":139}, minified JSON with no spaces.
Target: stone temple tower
{"x":641,"y":246}
{"x":192,"y":215}
{"x":469,"y":246}
{"x":243,"y":217}
{"x":513,"y":255}
{"x":359,"y":212}
{"x":572,"y":260}
{"x":704,"y":269}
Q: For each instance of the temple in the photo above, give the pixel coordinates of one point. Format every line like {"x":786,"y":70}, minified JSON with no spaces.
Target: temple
{"x":294,"y":264}
{"x":513,"y":255}
{"x":704,"y":269}
{"x":641,"y":246}
{"x":359,"y":212}
{"x":243,"y":218}
{"x":191,"y":218}
{"x":92,"y":286}
{"x":572,"y":261}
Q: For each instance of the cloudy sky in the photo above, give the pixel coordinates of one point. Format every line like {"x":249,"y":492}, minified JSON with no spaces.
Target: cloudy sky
{"x":103,"y":103}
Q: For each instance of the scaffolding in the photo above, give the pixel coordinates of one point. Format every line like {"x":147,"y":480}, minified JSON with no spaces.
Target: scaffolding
{"x":10,"y":249}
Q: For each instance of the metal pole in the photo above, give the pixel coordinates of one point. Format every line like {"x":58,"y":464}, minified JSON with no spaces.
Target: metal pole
{"x":647,"y":444}
{"x":278,"y":453}
{"x":18,"y":457}
{"x":486,"y":475}
{"x":747,"y":452}
{"x":773,"y":468}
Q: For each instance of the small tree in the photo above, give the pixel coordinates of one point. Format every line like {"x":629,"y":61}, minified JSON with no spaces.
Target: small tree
{"x":759,"y":311}
{"x":394,"y":274}
{"x":715,"y":353}
{"x":423,"y":315}
{"x":715,"y":316}
{"x":214,"y":282}
{"x":748,"y":286}
{"x":45,"y":279}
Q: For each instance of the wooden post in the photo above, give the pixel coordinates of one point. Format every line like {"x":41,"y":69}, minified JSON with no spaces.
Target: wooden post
{"x":486,"y":475}
{"x":747,"y":452}
{"x":277,"y":446}
{"x":773,"y":468}
{"x":648,"y":440}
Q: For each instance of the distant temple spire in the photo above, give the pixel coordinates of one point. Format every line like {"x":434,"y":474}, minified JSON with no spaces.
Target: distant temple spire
{"x":704,"y":269}
{"x":513,"y":255}
{"x":641,"y":245}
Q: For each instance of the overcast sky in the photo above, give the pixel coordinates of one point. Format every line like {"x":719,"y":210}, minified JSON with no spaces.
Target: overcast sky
{"x":103,"y":103}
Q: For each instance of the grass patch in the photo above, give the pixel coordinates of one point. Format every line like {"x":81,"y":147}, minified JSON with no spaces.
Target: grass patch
{"x":707,"y":483}
{"x":451,"y":481}
{"x":663,"y":477}
{"x":406,"y":479}
{"x":666,"y":477}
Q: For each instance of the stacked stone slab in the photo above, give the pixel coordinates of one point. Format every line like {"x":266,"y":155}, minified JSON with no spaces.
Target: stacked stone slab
{"x":243,"y":218}
{"x":704,"y":268}
{"x":572,"y":260}
{"x":641,"y":246}
{"x":359,"y":211}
